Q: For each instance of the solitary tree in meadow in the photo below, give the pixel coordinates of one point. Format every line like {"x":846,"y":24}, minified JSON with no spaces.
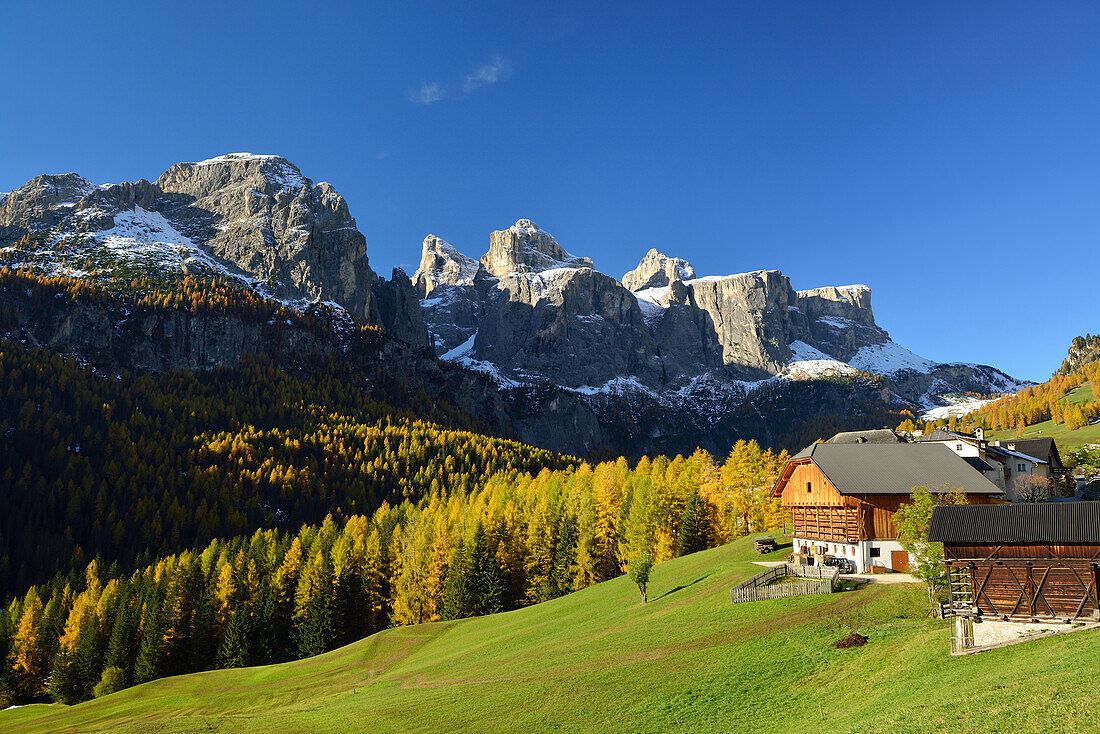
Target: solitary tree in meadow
{"x":640,"y":566}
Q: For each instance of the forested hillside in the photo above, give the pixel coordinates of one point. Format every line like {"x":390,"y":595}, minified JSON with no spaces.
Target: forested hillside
{"x":513,"y":540}
{"x":134,"y":467}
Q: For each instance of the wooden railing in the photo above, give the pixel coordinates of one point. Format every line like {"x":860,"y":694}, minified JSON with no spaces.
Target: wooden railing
{"x":813,"y":580}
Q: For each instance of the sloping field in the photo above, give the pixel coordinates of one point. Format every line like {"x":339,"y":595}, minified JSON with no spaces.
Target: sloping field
{"x":600,"y":661}
{"x":1066,"y":439}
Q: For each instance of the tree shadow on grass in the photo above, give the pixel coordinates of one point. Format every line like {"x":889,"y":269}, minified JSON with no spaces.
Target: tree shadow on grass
{"x":681,"y":587}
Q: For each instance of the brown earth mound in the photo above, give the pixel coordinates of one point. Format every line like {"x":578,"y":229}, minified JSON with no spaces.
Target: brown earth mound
{"x":853,"y":640}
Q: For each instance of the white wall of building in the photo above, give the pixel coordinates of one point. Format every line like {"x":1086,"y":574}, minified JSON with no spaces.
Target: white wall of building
{"x":858,"y":553}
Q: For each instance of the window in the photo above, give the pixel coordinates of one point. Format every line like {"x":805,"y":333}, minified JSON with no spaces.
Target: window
{"x":1020,"y":468}
{"x":959,"y":447}
{"x":809,"y":487}
{"x":876,"y":552}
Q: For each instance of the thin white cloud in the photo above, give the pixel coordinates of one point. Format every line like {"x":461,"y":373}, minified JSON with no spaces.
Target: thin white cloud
{"x":428,"y":93}
{"x":496,"y":71}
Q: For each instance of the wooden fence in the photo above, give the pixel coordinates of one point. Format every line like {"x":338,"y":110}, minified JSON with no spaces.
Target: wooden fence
{"x":814,"y":580}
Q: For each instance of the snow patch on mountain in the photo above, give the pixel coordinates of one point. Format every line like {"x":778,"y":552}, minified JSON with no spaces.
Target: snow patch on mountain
{"x":888,"y":359}
{"x":957,"y":405}
{"x":808,"y":363}
{"x":650,"y":301}
{"x":460,"y":351}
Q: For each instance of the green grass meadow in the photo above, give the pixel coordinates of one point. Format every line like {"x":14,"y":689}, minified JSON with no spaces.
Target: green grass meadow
{"x":1066,"y":439}
{"x":600,"y":661}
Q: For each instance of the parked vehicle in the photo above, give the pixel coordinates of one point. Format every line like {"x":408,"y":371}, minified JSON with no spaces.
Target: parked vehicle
{"x":843,"y":564}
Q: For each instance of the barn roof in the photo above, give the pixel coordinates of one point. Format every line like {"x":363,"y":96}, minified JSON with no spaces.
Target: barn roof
{"x":883,"y":468}
{"x":1034,"y":522}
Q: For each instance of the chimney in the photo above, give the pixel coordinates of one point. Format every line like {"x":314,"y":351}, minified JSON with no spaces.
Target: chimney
{"x":979,"y":433}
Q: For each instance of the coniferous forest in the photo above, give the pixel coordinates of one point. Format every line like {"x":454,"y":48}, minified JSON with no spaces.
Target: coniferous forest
{"x":161,"y":524}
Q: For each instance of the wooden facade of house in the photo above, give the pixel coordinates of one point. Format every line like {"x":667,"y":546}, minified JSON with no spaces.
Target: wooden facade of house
{"x":1022,"y":562}
{"x":817,"y":510}
{"x":840,"y":498}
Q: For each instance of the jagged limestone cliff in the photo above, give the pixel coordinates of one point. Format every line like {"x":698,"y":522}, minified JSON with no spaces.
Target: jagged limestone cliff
{"x":254,"y":218}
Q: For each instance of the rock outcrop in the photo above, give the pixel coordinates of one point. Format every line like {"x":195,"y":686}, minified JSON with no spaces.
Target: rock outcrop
{"x":263,"y":216}
{"x":524,"y":248}
{"x":536,"y":314}
{"x":656,"y":270}
{"x":42,"y":202}
{"x":252,"y":217}
{"x":442,"y":264}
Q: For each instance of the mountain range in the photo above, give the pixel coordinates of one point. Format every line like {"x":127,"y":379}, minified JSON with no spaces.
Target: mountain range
{"x":532,"y":341}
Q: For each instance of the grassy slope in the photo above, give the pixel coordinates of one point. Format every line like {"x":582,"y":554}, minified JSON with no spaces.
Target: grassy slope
{"x":1067,"y":440}
{"x":599,"y":661}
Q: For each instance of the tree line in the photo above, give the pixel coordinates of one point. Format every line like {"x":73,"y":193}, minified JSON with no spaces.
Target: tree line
{"x":515,"y":539}
{"x":134,"y":467}
{"x":1038,"y":403}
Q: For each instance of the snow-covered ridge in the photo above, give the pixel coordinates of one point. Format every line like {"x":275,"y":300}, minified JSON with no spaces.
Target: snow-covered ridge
{"x":888,"y":359}
{"x":717,"y":278}
{"x":229,"y":157}
{"x":809,"y":363}
{"x":275,"y":169}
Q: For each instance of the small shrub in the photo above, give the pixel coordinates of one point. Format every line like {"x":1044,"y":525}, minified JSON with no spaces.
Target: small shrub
{"x":112,"y":681}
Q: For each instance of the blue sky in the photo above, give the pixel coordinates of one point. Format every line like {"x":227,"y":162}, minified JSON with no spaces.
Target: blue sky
{"x":946,"y":154}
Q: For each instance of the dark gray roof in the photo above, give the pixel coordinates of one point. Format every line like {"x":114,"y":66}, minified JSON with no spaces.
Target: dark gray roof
{"x":942,"y":434}
{"x":979,"y":464}
{"x":877,"y":435}
{"x":1035,"y":522}
{"x":1040,"y":448}
{"x":883,"y":468}
{"x":1008,"y":454}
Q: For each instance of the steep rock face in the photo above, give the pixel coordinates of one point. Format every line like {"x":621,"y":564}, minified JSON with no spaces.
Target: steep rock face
{"x":524,"y":248}
{"x":44,"y":201}
{"x":255,"y":218}
{"x":836,"y":320}
{"x":656,"y":270}
{"x":441,"y":265}
{"x":575,"y":326}
{"x":399,"y":308}
{"x":263,"y":216}
{"x":749,"y":318}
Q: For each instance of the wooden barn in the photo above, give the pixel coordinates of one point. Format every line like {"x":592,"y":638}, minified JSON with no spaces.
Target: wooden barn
{"x":841,"y":497}
{"x":1035,"y":561}
{"x":1019,"y":569}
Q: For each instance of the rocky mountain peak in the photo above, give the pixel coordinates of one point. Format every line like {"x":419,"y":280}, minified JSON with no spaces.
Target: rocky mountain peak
{"x":656,"y":270}
{"x":267,"y":174}
{"x":42,"y":202}
{"x":850,"y":302}
{"x":524,"y":248}
{"x":251,"y":217}
{"x":442,"y":264}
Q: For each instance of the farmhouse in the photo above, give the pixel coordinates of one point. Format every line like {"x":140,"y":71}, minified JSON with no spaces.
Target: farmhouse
{"x":1016,"y":569}
{"x":841,"y":497}
{"x":1005,"y":463}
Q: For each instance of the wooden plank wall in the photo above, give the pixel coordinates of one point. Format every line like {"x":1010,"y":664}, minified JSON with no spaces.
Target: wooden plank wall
{"x":826,"y":523}
{"x":1031,"y":581}
{"x":821,"y":494}
{"x":954,"y":551}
